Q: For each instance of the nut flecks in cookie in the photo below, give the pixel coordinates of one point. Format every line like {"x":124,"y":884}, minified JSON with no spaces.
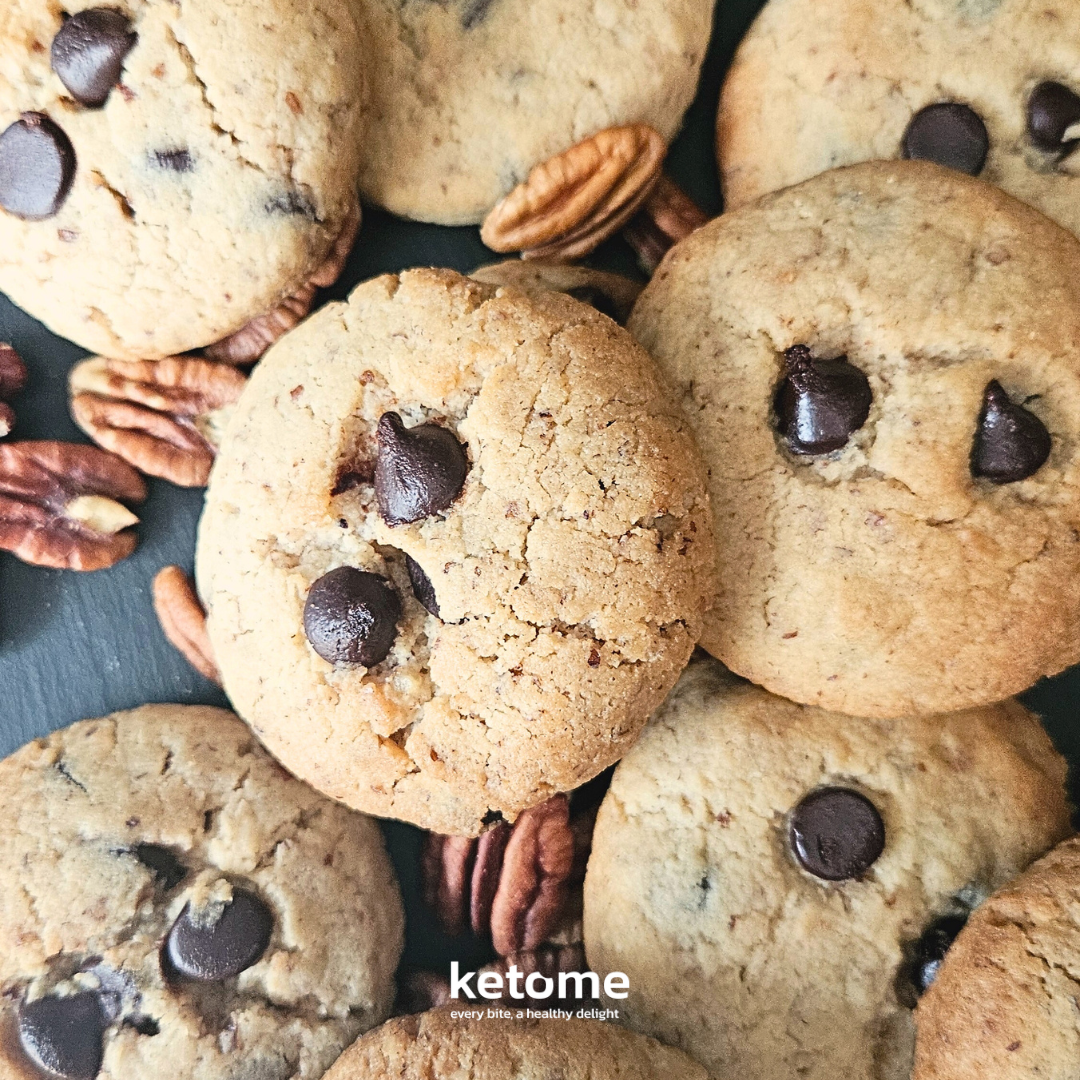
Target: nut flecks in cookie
{"x":350,"y":617}
{"x":221,"y":940}
{"x":37,"y":167}
{"x":88,"y":53}
{"x":948,"y":133}
{"x":419,"y":471}
{"x":836,"y":833}
{"x":1011,"y":442}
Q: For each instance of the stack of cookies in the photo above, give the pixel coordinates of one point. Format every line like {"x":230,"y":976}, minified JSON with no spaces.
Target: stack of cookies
{"x":685,"y":620}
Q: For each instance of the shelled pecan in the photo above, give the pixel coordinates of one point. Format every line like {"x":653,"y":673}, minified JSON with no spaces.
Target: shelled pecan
{"x":162,"y":416}
{"x":183,"y":620}
{"x":667,"y":216}
{"x":61,"y":505}
{"x":12,"y":380}
{"x":572,"y":202}
{"x":252,"y":340}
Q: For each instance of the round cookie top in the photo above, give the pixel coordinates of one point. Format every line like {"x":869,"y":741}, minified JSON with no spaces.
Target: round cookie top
{"x":457,"y":546}
{"x":468,"y":95}
{"x":990,"y":87}
{"x":877,"y":363}
{"x":1004,"y":1002}
{"x":776,"y":881}
{"x":173,"y":896}
{"x":434,"y":1046}
{"x":171,"y":170}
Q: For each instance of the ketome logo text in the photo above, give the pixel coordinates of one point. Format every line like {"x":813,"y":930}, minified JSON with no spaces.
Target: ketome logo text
{"x":492,"y":985}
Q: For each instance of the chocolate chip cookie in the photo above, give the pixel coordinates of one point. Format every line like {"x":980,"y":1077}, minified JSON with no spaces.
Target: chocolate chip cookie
{"x":173,"y":899}
{"x":882,"y":370}
{"x":1004,"y":1002}
{"x":468,"y":95}
{"x":436,"y":1046}
{"x":779,"y":883}
{"x":169,"y":171}
{"x":988,"y":87}
{"x":456,"y":547}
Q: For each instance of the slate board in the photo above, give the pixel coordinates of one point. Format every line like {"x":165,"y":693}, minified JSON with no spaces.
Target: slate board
{"x":80,"y":645}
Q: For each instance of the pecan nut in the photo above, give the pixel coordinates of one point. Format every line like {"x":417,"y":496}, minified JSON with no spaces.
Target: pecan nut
{"x":183,"y":620}
{"x":61,"y":505}
{"x":253,"y":339}
{"x":162,"y":416}
{"x":667,"y":216}
{"x":572,"y":202}
{"x":12,"y":380}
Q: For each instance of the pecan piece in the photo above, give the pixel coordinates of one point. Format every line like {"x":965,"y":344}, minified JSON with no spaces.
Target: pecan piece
{"x":572,"y":202}
{"x":183,"y":620}
{"x":12,"y":380}
{"x":253,"y":339}
{"x":162,"y":416}
{"x":446,"y":871}
{"x":668,"y":215}
{"x":60,"y":505}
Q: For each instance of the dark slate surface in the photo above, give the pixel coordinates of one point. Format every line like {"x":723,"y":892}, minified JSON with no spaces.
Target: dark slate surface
{"x":80,"y":645}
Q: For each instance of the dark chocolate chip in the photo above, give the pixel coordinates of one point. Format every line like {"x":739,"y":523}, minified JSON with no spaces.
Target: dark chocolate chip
{"x":88,"y":53}
{"x":175,"y":160}
{"x":351,"y":616}
{"x":949,"y":133}
{"x":594,"y":297}
{"x":422,"y":588}
{"x":821,"y":403}
{"x":292,"y":204}
{"x":62,"y":1036}
{"x":836,"y":833}
{"x":222,"y":941}
{"x":931,"y":948}
{"x":37,"y":166}
{"x":167,"y":868}
{"x":1011,"y":443}
{"x":1052,"y":109}
{"x":419,"y":471}
{"x":474,"y":12}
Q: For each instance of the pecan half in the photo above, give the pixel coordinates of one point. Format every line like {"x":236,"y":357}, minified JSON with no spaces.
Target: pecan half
{"x":570,"y":203}
{"x":183,"y":620}
{"x":162,"y":416}
{"x":667,"y":216}
{"x":252,"y":340}
{"x":446,"y":864}
{"x":61,"y":505}
{"x":12,"y":380}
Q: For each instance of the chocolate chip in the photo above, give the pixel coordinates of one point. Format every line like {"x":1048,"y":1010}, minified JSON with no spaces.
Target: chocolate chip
{"x":821,"y":403}
{"x":1051,"y":110}
{"x":351,"y":617}
{"x":419,"y":471}
{"x":167,"y":868}
{"x":62,"y":1036}
{"x":176,"y":160}
{"x":591,"y":295}
{"x":836,"y":833}
{"x":422,"y":588}
{"x":949,"y":133}
{"x":931,"y":948}
{"x":88,"y":52}
{"x":37,"y":166}
{"x":1011,"y":443}
{"x":474,"y":12}
{"x":216,"y":944}
{"x":292,"y":204}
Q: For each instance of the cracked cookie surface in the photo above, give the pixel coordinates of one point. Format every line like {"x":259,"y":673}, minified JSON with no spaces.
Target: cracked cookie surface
{"x":115,"y":830}
{"x":817,"y":85}
{"x":468,"y":95}
{"x":1004,"y":1001}
{"x":762,"y":969}
{"x":207,"y":188}
{"x":882,"y":578}
{"x":569,"y":574}
{"x":434,"y":1046}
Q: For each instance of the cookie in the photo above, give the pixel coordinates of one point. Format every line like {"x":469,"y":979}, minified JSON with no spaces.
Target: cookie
{"x":883,"y":372}
{"x":437,"y":1046}
{"x":170,"y":171}
{"x":456,"y":547}
{"x":1004,"y":1002}
{"x":173,"y":899}
{"x":467,"y":96}
{"x":776,"y":881}
{"x":989,"y":87}
{"x":611,"y":294}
